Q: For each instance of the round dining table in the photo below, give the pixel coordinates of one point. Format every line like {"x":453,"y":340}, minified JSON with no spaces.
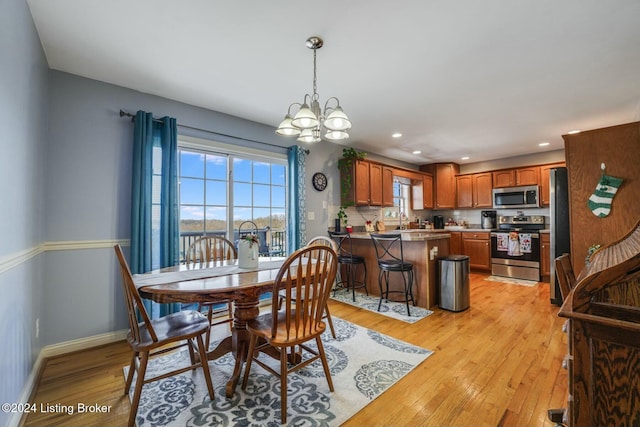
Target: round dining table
{"x":203,"y":282}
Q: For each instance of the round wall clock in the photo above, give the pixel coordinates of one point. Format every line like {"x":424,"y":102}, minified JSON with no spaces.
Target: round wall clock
{"x":319,"y":181}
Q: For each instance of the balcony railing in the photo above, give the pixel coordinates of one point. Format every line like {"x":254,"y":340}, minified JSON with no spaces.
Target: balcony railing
{"x":272,"y":242}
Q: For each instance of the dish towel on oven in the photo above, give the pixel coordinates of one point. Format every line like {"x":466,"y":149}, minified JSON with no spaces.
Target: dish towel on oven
{"x":525,"y":242}
{"x":519,"y":244}
{"x":514,"y":245}
{"x":502,"y":243}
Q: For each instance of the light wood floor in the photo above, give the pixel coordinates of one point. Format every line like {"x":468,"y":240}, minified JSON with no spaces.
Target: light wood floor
{"x":495,"y":364}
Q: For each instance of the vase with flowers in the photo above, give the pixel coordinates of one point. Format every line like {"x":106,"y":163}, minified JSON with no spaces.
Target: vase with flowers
{"x":248,"y":251}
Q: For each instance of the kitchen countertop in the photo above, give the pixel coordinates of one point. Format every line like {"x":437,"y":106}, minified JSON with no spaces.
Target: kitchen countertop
{"x":409,"y":235}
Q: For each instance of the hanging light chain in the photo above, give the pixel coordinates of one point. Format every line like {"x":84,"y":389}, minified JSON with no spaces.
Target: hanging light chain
{"x":315,"y":86}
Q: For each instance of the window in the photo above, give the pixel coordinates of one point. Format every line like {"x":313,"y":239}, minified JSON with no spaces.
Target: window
{"x":401,"y":209}
{"x":221,"y":192}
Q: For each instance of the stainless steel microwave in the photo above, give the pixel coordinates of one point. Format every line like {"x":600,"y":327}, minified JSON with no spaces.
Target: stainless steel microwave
{"x":516,"y":197}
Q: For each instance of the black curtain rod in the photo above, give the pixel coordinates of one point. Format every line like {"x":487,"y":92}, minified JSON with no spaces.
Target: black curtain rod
{"x":133,"y":116}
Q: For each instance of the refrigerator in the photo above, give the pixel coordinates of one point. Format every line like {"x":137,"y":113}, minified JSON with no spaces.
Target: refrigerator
{"x":559,"y":225}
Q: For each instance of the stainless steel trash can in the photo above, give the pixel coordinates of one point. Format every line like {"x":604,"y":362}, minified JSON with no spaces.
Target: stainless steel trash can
{"x":454,"y":282}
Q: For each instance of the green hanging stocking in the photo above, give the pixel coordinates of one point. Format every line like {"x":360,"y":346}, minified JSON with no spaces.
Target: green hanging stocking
{"x":600,"y":201}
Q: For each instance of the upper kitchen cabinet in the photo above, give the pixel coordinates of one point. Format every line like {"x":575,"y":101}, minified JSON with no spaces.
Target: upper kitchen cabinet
{"x":366,"y":183}
{"x":422,"y":192}
{"x":474,"y":191}
{"x":375,"y":184}
{"x":387,"y":186}
{"x":444,"y":184}
{"x":427,"y":191}
{"x":544,"y":182}
{"x":354,"y":182}
{"x":516,"y":177}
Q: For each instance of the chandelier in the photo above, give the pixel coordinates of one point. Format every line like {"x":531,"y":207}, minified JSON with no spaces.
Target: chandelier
{"x":309,"y":121}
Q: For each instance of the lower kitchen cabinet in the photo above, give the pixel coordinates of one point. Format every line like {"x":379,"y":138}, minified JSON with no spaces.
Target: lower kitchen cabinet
{"x":545,"y":255}
{"x":455,"y":244}
{"x":477,"y":246}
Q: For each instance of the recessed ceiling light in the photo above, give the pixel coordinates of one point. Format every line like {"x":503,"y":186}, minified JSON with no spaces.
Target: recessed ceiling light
{"x":417,"y":152}
{"x":543,"y":144}
{"x":396,"y":135}
{"x":573,"y":132}
{"x":464,"y":158}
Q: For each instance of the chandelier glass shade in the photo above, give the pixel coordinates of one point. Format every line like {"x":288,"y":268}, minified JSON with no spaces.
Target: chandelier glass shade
{"x":310,"y":121}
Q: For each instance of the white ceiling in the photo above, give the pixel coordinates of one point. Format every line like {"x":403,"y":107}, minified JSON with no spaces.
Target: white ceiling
{"x":485,"y":79}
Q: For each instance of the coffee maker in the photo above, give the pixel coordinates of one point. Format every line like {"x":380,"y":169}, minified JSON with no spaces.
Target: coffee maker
{"x":438,"y":221}
{"x":488,"y":219}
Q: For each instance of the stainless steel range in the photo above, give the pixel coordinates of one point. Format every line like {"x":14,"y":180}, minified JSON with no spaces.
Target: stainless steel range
{"x":515,"y":248}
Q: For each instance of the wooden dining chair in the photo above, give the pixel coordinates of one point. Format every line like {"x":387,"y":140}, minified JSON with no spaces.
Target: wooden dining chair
{"x":326,"y":241}
{"x":206,"y":249}
{"x":306,"y":277}
{"x":564,"y":273}
{"x":150,"y":338}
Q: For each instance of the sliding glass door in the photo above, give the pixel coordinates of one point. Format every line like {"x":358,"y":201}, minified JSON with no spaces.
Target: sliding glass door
{"x":227,"y":193}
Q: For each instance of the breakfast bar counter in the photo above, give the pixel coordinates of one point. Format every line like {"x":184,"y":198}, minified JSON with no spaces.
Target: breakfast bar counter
{"x":422,"y":248}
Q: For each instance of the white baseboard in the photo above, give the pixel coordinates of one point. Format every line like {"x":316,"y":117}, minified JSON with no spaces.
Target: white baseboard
{"x":56,"y":350}
{"x":82,"y":343}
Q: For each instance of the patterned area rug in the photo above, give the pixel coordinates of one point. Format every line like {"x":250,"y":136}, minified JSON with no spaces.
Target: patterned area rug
{"x":396,"y":310}
{"x":363,"y":363}
{"x":511,"y":281}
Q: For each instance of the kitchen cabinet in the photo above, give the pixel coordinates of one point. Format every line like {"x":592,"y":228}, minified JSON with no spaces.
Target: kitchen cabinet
{"x":455,"y":243}
{"x":544,"y":182}
{"x":375,"y":184}
{"x":361,"y":183}
{"x":474,"y":191}
{"x":477,"y":246}
{"x":545,"y":255}
{"x":354,"y":183}
{"x":516,"y":177}
{"x":422,"y":192}
{"x":366,"y":184}
{"x":427,"y":191}
{"x":387,"y":186}
{"x":444,"y":184}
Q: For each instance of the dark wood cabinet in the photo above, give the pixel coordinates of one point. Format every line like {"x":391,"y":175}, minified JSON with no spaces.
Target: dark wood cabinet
{"x":477,"y":246}
{"x":603,"y":331}
{"x":474,"y":191}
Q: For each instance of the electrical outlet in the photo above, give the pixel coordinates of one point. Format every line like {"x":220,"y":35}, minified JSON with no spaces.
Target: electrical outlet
{"x":37,"y":327}
{"x":311,"y":216}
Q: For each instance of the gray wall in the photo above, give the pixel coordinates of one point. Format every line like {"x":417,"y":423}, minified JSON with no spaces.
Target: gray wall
{"x":23,"y":119}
